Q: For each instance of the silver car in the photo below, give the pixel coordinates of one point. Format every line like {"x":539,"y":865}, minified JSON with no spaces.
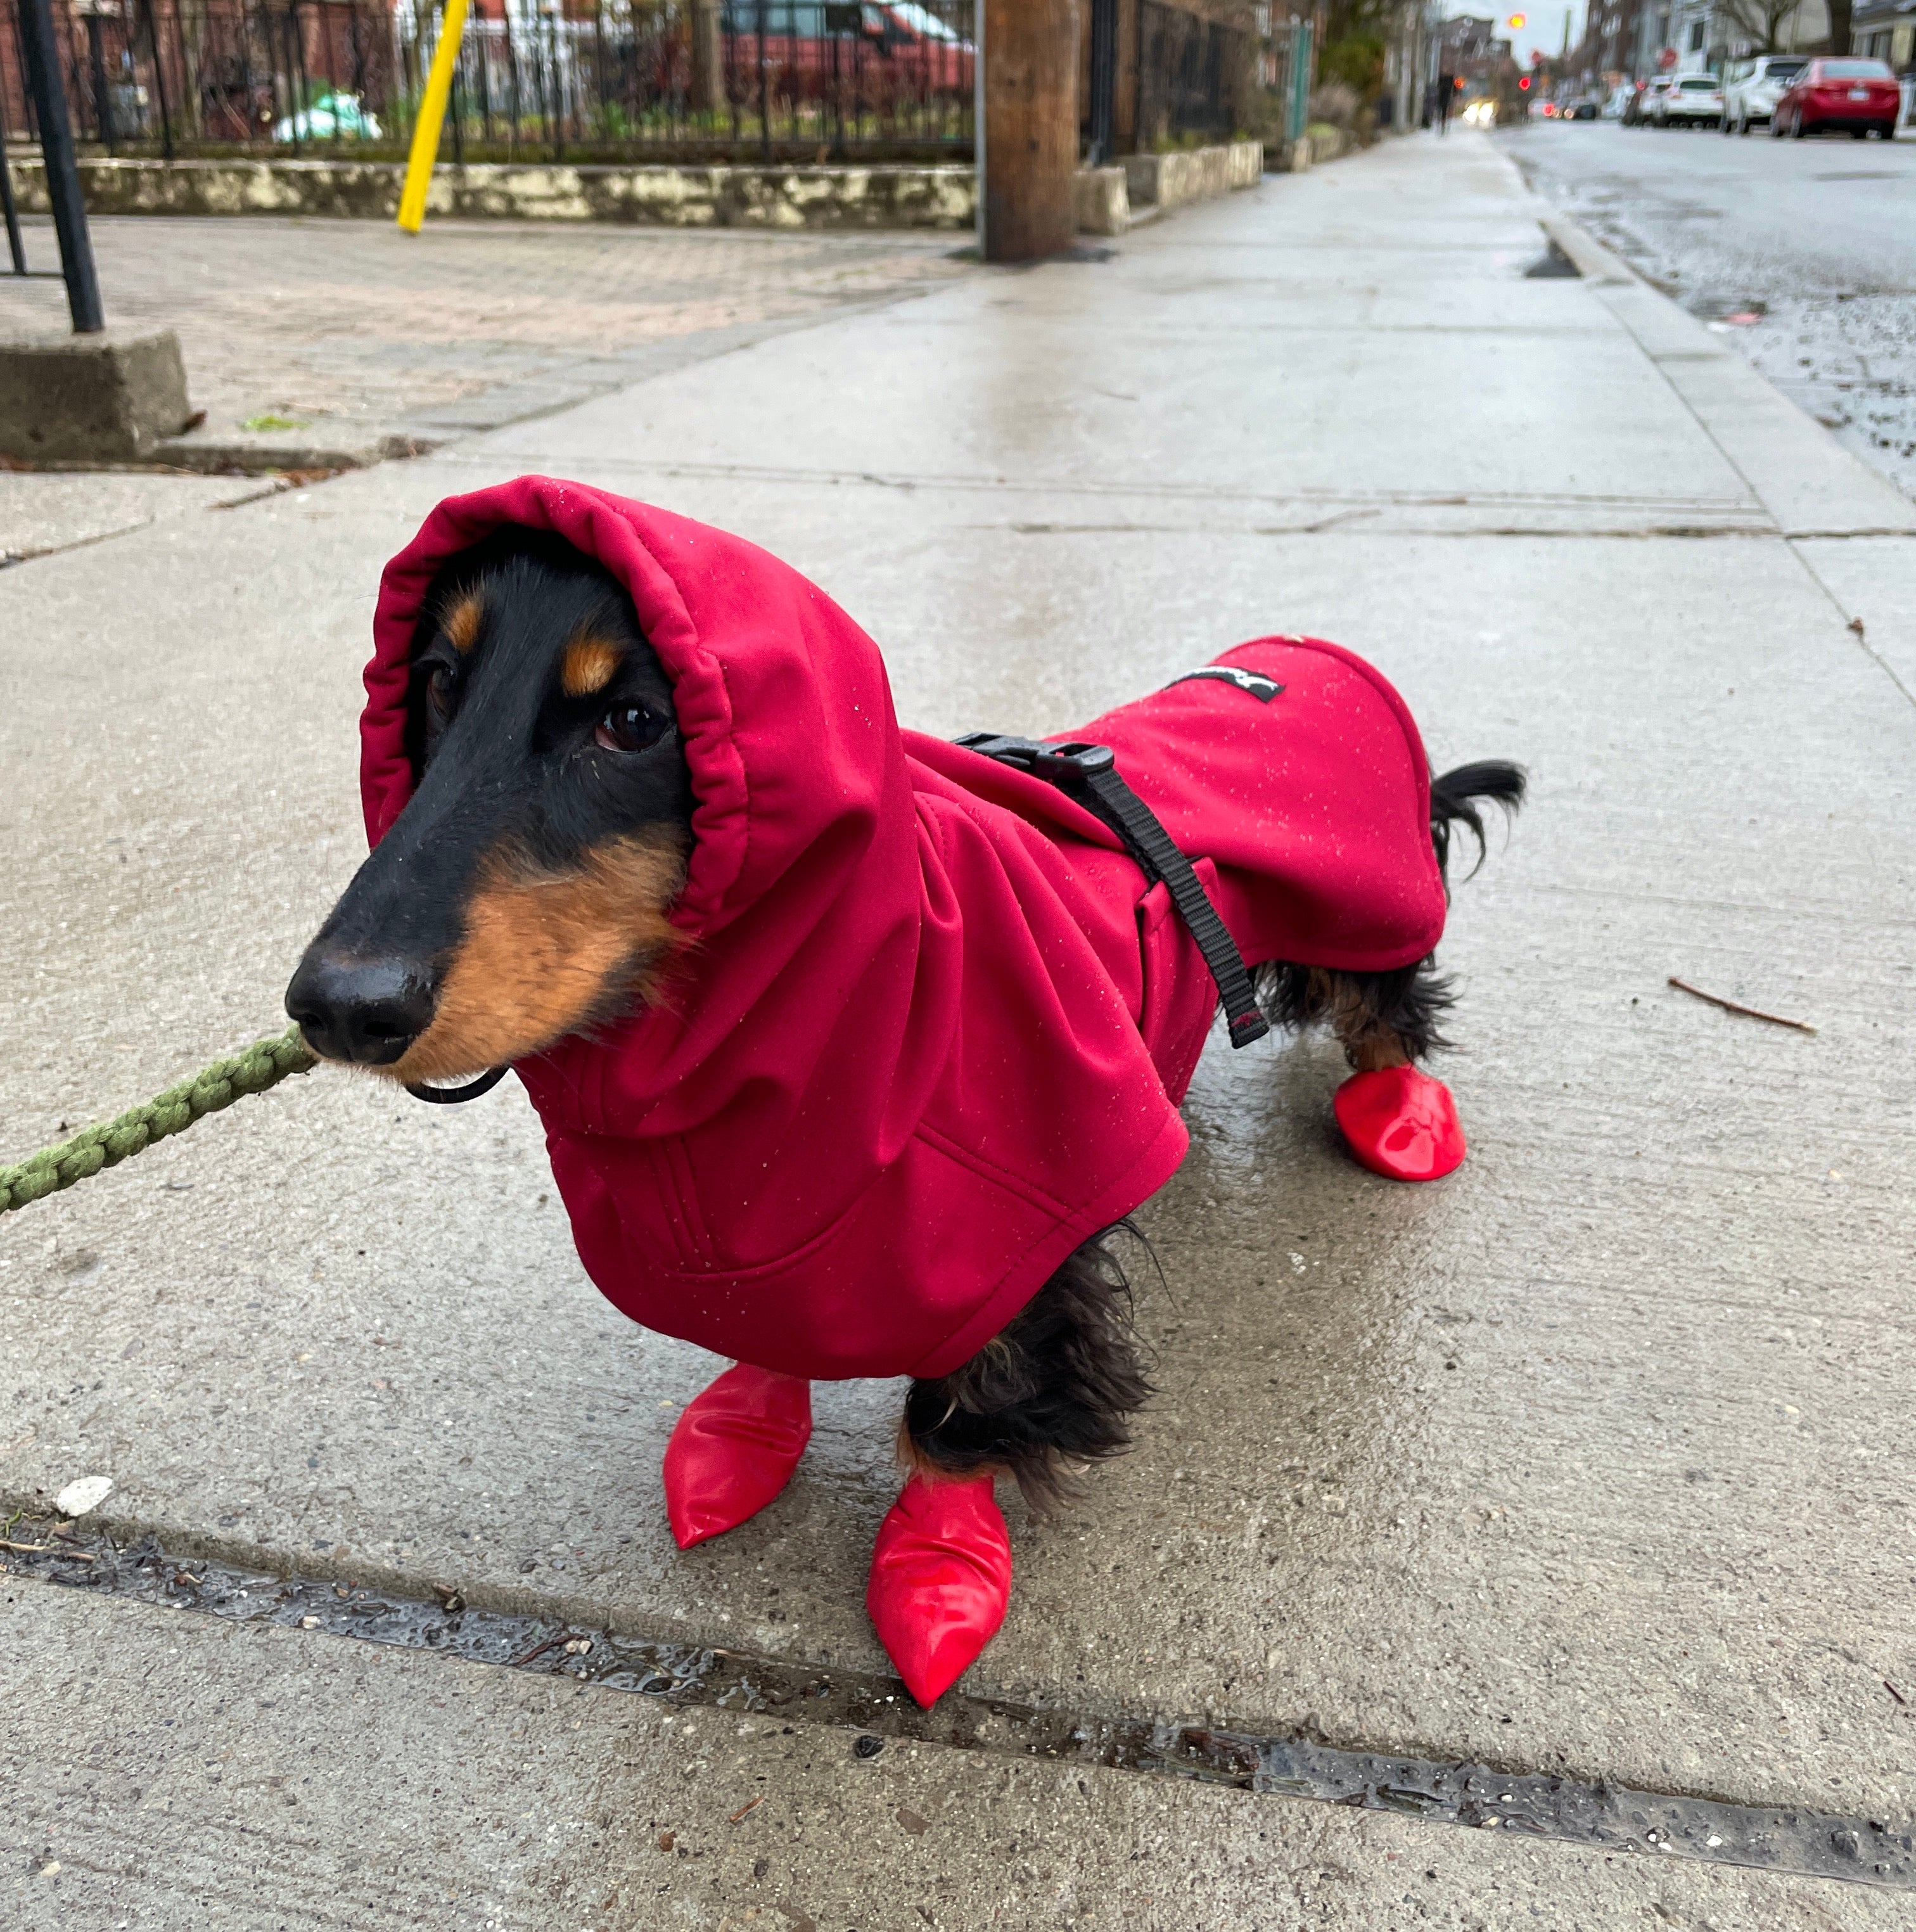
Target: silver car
{"x":1752,"y":87}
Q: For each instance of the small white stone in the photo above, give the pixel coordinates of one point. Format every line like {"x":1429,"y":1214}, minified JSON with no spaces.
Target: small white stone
{"x":88,"y":1493}
{"x":1713,"y":1842}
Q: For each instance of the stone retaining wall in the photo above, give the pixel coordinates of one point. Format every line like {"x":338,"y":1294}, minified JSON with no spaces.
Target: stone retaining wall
{"x":882,"y":196}
{"x":1192,"y":174}
{"x":878,"y":196}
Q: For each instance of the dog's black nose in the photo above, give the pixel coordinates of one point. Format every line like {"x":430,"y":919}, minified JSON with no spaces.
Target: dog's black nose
{"x":366,"y":1010}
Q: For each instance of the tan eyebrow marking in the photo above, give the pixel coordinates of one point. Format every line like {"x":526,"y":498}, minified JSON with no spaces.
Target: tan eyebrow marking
{"x":461,"y":622}
{"x":589,"y":665}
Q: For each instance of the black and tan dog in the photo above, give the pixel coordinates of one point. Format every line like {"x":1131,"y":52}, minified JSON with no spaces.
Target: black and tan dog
{"x":527,"y":906}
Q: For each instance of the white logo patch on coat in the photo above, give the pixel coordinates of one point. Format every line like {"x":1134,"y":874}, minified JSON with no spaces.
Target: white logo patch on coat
{"x":1262,"y":689}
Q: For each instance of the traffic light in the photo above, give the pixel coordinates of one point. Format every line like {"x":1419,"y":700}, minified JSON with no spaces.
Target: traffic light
{"x":1523,"y":82}
{"x":1517,"y":22}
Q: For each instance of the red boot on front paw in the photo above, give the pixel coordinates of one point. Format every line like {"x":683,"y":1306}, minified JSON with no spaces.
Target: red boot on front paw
{"x":734,"y":1449}
{"x":940,"y":1579}
{"x":1401,"y":1123}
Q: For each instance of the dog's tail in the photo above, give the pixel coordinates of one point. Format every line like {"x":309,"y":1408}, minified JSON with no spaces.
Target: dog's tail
{"x":1456,"y":798}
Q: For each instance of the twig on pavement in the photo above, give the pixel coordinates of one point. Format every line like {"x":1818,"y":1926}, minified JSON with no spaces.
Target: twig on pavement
{"x":1737,"y":1006}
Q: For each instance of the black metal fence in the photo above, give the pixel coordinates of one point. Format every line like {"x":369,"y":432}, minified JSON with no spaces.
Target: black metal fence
{"x":1191,"y":77}
{"x":602,"y":80}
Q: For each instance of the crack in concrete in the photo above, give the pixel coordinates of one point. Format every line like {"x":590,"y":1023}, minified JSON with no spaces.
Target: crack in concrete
{"x":1774,"y":1838}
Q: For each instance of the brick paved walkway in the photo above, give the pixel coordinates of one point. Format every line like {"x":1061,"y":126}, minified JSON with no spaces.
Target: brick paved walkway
{"x":354,"y":326}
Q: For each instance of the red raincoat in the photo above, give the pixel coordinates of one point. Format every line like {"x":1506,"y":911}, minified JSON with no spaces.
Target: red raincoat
{"x":934,"y":1031}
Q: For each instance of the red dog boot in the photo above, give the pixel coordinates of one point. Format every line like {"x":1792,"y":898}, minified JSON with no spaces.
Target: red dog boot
{"x":1401,"y":1123}
{"x":734,"y":1449}
{"x":940,"y":1579}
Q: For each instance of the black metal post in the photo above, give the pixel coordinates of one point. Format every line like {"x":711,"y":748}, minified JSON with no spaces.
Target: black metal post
{"x":1104,"y":80}
{"x":296,"y":28}
{"x":103,"y":101}
{"x":764,"y":93}
{"x":457,"y":106}
{"x":160,"y":81}
{"x":295,"y":105}
{"x":16,"y":248}
{"x":56,"y":149}
{"x":512,"y":78}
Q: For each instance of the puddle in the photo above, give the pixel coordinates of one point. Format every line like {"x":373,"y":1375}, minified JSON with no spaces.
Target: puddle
{"x":1812,"y":1844}
{"x":1553,"y":263}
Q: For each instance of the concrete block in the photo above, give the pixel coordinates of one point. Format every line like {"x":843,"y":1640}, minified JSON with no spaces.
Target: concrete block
{"x":111,"y":397}
{"x":1104,"y":205}
{"x":1140,"y":179}
{"x":1192,"y":174}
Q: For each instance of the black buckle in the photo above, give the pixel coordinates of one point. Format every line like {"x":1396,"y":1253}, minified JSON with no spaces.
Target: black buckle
{"x":1066,"y":767}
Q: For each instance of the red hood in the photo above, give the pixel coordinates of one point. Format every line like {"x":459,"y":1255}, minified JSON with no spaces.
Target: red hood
{"x":931,"y":1032}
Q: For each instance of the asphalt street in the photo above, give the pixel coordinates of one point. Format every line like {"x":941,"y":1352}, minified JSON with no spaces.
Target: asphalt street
{"x":1579,"y":1480}
{"x":1802,"y":253}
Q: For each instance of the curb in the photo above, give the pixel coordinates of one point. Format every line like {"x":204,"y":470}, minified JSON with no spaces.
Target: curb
{"x":1810,"y":484}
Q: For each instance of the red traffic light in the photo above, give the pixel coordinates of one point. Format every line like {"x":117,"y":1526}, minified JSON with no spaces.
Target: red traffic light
{"x":1523,"y":81}
{"x":1459,"y":83}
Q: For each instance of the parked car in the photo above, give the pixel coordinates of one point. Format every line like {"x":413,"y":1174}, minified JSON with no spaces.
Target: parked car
{"x":1751,"y":88}
{"x":1617,"y":108}
{"x":1687,"y":100}
{"x":1860,"y":96}
{"x":1581,"y":107}
{"x":880,"y":53}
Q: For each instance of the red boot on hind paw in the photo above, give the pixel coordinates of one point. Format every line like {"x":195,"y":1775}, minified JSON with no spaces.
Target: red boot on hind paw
{"x":1401,"y":1123}
{"x":734,"y":1449}
{"x":940,"y":1580}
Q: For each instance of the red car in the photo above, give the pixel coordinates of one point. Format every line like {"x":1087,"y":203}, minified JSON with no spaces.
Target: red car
{"x":1861,"y":95}
{"x":882,"y":53}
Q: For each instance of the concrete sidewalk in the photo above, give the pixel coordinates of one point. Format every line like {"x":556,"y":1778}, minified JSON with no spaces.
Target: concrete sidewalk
{"x":1590,"y":1464}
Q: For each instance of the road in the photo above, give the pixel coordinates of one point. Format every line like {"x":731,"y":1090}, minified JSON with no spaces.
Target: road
{"x":1587,"y":1466}
{"x":1816,"y":240}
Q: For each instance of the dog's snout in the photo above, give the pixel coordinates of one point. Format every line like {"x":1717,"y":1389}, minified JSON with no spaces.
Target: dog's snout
{"x":369,"y":1011}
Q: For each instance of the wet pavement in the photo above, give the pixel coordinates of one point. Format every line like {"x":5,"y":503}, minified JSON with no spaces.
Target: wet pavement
{"x":1586,"y":1467}
{"x":1801,"y":253}
{"x":336,"y":334}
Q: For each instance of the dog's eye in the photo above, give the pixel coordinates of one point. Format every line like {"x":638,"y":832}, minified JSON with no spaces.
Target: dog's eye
{"x":439,"y":691}
{"x":628,"y":727}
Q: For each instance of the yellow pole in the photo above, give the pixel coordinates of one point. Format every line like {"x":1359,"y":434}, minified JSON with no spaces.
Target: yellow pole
{"x":432,"y":117}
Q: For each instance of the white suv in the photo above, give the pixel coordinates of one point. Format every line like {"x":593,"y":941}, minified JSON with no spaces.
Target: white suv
{"x":1751,"y":88}
{"x":1686,"y":100}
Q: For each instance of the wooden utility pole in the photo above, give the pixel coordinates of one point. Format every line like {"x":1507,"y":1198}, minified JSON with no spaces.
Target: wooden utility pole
{"x":1030,"y":127}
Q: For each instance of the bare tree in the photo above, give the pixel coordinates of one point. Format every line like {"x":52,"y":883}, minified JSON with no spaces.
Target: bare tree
{"x":1761,"y":21}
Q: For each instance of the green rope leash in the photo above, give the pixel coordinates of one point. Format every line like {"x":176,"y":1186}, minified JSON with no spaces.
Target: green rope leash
{"x":263,"y":1064}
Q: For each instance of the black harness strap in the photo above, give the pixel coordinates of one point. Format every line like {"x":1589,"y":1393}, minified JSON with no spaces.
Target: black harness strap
{"x":1089,"y":774}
